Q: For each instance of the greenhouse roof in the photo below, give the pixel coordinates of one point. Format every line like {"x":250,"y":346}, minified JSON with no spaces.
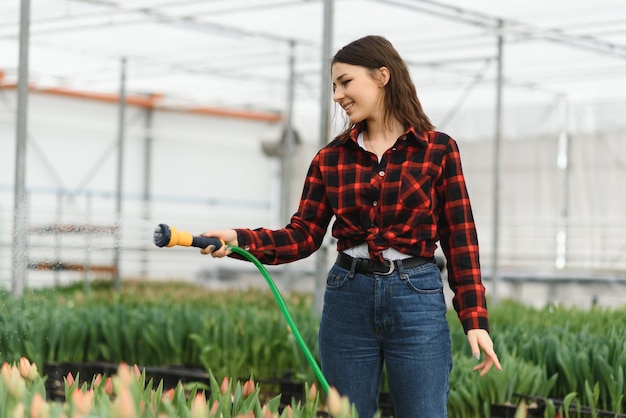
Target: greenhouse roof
{"x":236,"y":53}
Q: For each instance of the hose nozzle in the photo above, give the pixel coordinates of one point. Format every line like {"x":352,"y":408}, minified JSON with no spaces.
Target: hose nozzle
{"x":168,"y":236}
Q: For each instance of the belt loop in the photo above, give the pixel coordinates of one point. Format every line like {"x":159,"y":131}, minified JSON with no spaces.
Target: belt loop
{"x":353,"y":266}
{"x":401,"y":272}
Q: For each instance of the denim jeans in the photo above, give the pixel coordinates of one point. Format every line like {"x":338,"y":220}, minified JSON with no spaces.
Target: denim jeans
{"x":397,"y":321}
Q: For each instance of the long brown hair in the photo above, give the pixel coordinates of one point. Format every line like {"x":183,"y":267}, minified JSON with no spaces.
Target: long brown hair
{"x":400,"y":97}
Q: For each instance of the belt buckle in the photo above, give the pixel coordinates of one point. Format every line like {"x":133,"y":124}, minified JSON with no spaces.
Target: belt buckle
{"x":392,"y":267}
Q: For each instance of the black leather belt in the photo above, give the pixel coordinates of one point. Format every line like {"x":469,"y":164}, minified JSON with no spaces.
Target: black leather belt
{"x":368,"y":266}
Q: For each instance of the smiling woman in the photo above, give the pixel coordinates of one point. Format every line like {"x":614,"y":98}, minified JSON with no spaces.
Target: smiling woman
{"x":384,"y":303}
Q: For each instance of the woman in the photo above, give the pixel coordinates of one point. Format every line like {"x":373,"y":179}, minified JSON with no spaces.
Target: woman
{"x":395,"y":187}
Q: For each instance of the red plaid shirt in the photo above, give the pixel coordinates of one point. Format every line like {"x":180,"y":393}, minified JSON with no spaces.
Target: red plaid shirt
{"x":415,"y":196}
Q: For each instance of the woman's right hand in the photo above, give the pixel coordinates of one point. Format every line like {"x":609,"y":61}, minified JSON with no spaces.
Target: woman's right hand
{"x":229,"y":236}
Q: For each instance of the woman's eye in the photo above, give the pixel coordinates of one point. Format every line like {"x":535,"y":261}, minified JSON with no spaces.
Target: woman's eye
{"x":345,"y":83}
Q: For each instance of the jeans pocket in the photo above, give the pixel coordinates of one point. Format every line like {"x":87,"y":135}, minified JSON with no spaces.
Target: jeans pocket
{"x":425,"y":279}
{"x":337,"y":278}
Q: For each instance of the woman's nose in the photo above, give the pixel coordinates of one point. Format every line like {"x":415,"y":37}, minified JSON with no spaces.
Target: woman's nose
{"x":337,"y":94}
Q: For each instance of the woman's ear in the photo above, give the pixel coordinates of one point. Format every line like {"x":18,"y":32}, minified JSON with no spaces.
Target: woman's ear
{"x":383,"y":76}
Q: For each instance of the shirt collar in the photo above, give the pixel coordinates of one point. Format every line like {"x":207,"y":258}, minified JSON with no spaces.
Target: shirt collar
{"x":411,"y":134}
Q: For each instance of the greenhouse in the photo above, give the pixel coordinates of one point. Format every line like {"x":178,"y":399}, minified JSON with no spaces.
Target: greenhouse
{"x":120,"y":116}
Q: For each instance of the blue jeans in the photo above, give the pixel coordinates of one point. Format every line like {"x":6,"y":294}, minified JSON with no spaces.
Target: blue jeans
{"x":397,"y":321}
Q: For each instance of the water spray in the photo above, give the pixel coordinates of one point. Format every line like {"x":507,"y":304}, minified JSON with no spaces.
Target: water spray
{"x":167,"y":236}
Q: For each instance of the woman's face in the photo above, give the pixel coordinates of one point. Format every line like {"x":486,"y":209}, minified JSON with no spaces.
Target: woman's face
{"x":357,"y":91}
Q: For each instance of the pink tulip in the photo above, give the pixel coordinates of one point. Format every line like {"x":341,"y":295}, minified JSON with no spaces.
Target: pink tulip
{"x":125,"y":374}
{"x":69,"y":379}
{"x":108,"y":386}
{"x":248,"y":388}
{"x":334,"y":402}
{"x":24,"y":366}
{"x":214,"y":408}
{"x":137,"y":371}
{"x":19,"y":410}
{"x":16,"y":387}
{"x":6,"y":372}
{"x":82,"y":401}
{"x":288,"y":412}
{"x":168,"y":396}
{"x":224,"y":386}
{"x":38,"y":407}
{"x":97,"y":381}
{"x":312,"y":395}
{"x":199,"y":407}
{"x":124,"y":405}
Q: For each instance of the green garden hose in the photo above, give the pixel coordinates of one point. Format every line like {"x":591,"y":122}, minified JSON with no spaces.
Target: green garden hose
{"x":166,"y":236}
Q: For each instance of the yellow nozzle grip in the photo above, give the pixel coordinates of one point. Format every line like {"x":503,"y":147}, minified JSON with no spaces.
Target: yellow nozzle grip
{"x":182,"y":238}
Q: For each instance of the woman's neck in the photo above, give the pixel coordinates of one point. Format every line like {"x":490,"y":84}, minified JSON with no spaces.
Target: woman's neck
{"x":378,"y":137}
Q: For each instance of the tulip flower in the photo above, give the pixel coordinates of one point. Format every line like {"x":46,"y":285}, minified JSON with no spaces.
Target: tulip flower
{"x":82,"y":402}
{"x":267,"y":413}
{"x":97,"y":381}
{"x":224,"y":386}
{"x":248,"y":388}
{"x":108,"y":386}
{"x":214,"y":408}
{"x":69,"y":379}
{"x":16,"y":387}
{"x":288,"y":411}
{"x":124,"y":374}
{"x":24,"y":366}
{"x":338,"y":406}
{"x":19,"y":410}
{"x":27,"y":370}
{"x":199,"y":408}
{"x":312,"y":395}
{"x":38,"y":407}
{"x":334,"y":402}
{"x":6,"y":372}
{"x":168,"y":395}
{"x":137,"y":371}
{"x":124,"y":405}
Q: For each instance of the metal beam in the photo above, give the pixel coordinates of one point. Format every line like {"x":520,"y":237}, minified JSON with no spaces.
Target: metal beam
{"x":20,"y":207}
{"x":325,"y":98}
{"x":523,"y":30}
{"x":496,"y":172}
{"x":121,"y":120}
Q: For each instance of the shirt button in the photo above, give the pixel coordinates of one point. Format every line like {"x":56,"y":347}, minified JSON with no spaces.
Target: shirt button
{"x":375,"y":203}
{"x":381,"y":173}
{"x":247,"y":248}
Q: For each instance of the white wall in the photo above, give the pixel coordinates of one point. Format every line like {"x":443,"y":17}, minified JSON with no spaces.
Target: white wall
{"x":210,"y":172}
{"x":207,"y":172}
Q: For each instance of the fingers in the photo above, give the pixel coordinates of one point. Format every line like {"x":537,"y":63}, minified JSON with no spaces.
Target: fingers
{"x":493,"y":357}
{"x":486,"y":365}
{"x":228,"y":237}
{"x":479,"y":339}
{"x":223,"y":251}
{"x":483,"y":367}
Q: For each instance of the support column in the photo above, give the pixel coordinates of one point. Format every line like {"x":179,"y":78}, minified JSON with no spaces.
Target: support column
{"x":563,"y":166}
{"x":120,"y":174}
{"x":496,"y":169}
{"x":147,"y":187}
{"x":327,"y":45}
{"x":20,"y":207}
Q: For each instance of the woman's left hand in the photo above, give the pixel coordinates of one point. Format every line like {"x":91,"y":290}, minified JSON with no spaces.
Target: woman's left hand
{"x":479,"y":339}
